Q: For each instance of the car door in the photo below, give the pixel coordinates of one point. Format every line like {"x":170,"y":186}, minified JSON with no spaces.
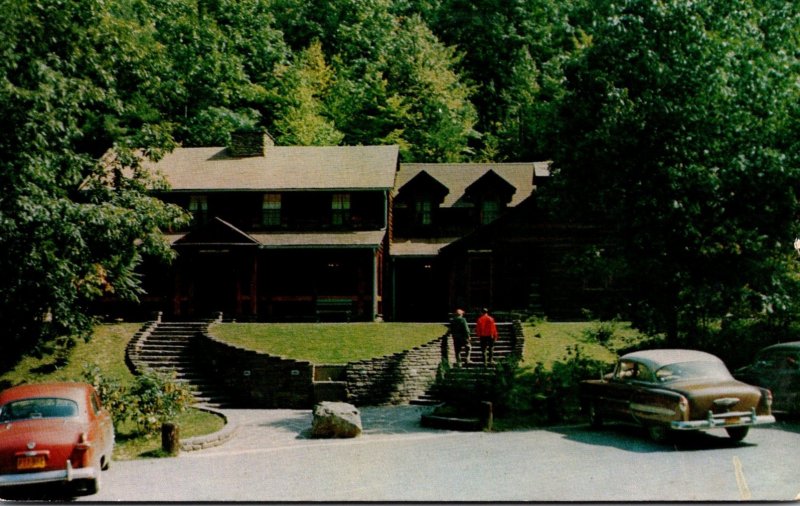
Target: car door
{"x":783,"y":379}
{"x":619,"y":390}
{"x":105,"y":424}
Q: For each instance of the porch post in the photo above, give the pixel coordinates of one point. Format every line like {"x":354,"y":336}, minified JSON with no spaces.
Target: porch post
{"x":374,"y":284}
{"x":254,"y":286}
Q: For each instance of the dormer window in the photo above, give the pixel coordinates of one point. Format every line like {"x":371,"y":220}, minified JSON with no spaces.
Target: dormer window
{"x":423,"y":212}
{"x":340,"y":209}
{"x":271,"y":210}
{"x":198,"y":207}
{"x":490,"y":211}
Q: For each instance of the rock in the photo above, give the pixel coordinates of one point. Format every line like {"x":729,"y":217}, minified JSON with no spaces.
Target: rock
{"x":335,"y":420}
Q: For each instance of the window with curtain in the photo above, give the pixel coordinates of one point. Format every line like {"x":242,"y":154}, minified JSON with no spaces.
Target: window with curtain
{"x":271,"y":210}
{"x":340,"y":209}
{"x":198,"y":207}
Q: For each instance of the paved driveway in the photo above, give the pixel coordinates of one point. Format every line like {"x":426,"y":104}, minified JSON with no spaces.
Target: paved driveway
{"x":273,"y":459}
{"x":280,"y":428}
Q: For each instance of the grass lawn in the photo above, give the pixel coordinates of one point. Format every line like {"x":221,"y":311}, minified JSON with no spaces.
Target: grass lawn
{"x":547,"y":342}
{"x":106,"y":350}
{"x":336,"y":343}
{"x":329,"y":343}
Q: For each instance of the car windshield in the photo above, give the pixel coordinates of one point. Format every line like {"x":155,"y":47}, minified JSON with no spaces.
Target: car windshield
{"x":693,"y":370}
{"x":25,"y":409}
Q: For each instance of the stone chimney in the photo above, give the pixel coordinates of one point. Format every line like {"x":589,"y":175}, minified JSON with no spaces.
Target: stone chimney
{"x":249,"y":143}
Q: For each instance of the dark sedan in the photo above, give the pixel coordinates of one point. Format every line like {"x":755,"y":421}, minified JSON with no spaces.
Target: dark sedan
{"x":676,"y":390}
{"x":777,"y":367}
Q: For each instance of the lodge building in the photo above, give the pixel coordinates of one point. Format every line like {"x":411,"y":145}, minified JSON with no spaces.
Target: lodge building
{"x":290,"y":233}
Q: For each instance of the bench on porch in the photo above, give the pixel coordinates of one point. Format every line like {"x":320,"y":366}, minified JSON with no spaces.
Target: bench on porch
{"x":334,"y":307}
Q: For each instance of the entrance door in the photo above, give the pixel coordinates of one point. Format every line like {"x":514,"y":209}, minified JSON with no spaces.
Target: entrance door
{"x":214,"y":283}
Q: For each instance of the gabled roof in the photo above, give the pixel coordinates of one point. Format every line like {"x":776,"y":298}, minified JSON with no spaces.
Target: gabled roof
{"x":216,"y":232}
{"x":457,"y":177}
{"x":423,"y":183}
{"x":219,"y":233}
{"x":281,"y":168}
{"x":491,"y":180}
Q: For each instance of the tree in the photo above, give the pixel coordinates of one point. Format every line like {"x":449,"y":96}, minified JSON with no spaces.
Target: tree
{"x":513,"y":51}
{"x":394,"y":81}
{"x":60,"y":247}
{"x":304,"y":121}
{"x":676,"y":133}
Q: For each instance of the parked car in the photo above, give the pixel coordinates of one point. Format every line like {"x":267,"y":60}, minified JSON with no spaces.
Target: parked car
{"x":777,"y":367}
{"x":676,"y":390}
{"x":54,"y":433}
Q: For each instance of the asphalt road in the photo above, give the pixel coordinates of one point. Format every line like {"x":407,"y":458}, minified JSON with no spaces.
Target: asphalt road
{"x":272,"y":459}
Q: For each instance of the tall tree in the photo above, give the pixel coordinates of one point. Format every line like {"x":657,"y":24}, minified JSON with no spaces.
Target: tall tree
{"x":395,"y":82}
{"x":60,"y":248}
{"x":513,"y":51}
{"x":305,"y":119}
{"x":677,"y":134}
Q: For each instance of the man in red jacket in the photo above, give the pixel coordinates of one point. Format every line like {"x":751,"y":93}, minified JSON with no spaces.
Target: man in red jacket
{"x":486,"y":330}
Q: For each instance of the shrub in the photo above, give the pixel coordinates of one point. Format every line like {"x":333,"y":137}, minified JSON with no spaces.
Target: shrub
{"x":158,"y":399}
{"x":550,"y":396}
{"x":153,"y":399}
{"x":602,"y":332}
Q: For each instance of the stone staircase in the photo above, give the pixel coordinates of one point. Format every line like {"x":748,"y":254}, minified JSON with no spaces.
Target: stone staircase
{"x":165,"y":347}
{"x":475,"y":373}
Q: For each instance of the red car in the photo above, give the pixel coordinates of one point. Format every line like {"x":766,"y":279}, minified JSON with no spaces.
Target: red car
{"x":54,"y":433}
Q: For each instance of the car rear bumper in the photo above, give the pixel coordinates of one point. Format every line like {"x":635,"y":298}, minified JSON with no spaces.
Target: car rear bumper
{"x":722,"y":420}
{"x":57,"y":476}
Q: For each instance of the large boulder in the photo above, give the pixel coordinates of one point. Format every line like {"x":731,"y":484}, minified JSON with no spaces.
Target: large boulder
{"x":335,"y":420}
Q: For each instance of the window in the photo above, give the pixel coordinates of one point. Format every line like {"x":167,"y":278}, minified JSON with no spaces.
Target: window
{"x":340,"y":209}
{"x":490,"y":211}
{"x":198,"y":206}
{"x":271,"y":210}
{"x":424,"y":212}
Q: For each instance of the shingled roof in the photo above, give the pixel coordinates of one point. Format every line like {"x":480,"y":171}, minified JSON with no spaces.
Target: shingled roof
{"x":281,"y":168}
{"x":457,"y":177}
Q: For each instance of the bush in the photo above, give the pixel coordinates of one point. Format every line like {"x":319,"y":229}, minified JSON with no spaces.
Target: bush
{"x":543,"y":396}
{"x":158,"y":399}
{"x":602,"y":332}
{"x":153,"y":399}
{"x":550,"y":396}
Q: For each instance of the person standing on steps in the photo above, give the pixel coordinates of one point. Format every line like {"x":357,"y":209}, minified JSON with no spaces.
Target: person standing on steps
{"x":486,"y":329}
{"x":459,"y":329}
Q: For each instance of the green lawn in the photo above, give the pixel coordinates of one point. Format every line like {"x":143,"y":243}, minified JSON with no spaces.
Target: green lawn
{"x":106,"y":350}
{"x":547,"y":342}
{"x":330,"y":343}
{"x":335,"y":343}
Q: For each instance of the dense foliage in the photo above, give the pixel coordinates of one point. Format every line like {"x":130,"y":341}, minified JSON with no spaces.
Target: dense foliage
{"x":677,"y":133}
{"x":671,"y":124}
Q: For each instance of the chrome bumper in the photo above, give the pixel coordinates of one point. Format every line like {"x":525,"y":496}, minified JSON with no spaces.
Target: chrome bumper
{"x":57,"y":476}
{"x":722,"y":420}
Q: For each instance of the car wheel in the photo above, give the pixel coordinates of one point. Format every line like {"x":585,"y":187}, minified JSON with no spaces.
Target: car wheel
{"x":658,"y":433}
{"x":595,"y":420}
{"x":88,"y":487}
{"x":105,"y":463}
{"x":737,"y":433}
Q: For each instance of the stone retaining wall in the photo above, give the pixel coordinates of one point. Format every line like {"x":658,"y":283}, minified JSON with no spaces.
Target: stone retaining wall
{"x":394,"y":379}
{"x":259,"y":380}
{"x":254,"y":379}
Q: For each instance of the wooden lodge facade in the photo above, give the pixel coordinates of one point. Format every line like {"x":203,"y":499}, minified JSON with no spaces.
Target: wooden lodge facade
{"x":349,"y":233}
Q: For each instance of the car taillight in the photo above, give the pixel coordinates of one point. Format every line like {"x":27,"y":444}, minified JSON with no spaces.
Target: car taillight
{"x":768,"y":395}
{"x":83,"y":442}
{"x":683,"y":405}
